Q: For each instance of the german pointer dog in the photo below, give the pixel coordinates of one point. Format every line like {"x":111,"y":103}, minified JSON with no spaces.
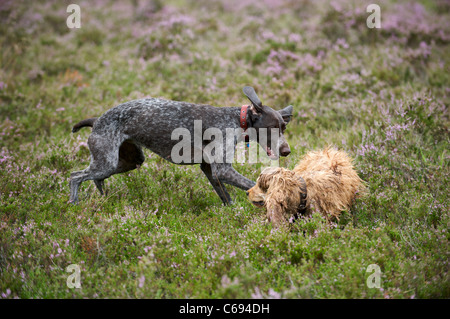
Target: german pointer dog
{"x":118,"y":135}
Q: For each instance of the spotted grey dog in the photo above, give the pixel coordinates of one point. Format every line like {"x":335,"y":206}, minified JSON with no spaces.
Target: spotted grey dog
{"x":118,"y":135}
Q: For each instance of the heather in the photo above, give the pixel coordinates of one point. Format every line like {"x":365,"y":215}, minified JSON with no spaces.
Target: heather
{"x":382,"y":95}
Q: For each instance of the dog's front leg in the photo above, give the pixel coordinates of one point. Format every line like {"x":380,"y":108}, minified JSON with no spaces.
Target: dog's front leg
{"x":227,"y":174}
{"x":220,"y":189}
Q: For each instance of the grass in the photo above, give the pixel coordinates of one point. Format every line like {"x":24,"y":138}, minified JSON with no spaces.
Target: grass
{"x":380,"y":94}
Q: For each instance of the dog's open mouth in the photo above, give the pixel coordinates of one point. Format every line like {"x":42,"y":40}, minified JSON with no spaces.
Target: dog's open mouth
{"x":271,"y":153}
{"x":259,"y":204}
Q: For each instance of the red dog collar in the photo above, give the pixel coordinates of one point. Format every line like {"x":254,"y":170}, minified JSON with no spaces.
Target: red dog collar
{"x":243,"y":120}
{"x":243,"y":117}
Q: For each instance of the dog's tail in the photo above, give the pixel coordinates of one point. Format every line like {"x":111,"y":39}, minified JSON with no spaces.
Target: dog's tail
{"x":88,"y":122}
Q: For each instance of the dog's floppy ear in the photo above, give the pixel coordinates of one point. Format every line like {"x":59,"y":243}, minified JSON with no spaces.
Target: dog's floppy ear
{"x":266,"y":176}
{"x":275,"y":214}
{"x":286,"y":113}
{"x":251,"y":95}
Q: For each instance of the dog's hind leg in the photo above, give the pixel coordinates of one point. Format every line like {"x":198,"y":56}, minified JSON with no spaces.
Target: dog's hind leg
{"x":130,"y":157}
{"x":215,"y":182}
{"x":100,"y":183}
{"x":104,"y":163}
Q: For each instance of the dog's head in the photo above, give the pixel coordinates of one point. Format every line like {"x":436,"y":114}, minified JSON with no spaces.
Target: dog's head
{"x":258,"y":193}
{"x":269,"y":123}
{"x":280,"y":191}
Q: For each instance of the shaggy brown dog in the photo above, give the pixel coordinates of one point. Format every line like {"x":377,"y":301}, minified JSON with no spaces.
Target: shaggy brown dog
{"x":323,"y":180}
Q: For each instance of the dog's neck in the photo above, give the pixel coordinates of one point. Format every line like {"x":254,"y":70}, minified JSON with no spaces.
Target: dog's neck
{"x":235,"y":117}
{"x":243,"y":117}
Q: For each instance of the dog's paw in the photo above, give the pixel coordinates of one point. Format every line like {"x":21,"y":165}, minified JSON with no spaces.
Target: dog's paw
{"x":73,"y":202}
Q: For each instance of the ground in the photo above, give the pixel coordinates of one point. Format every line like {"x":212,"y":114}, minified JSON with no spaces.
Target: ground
{"x":382,"y":95}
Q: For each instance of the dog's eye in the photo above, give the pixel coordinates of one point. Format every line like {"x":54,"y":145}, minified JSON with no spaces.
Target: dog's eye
{"x":282,"y":128}
{"x":263,"y":185}
{"x":274,"y":128}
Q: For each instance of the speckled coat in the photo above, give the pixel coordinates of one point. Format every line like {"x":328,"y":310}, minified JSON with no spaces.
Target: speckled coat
{"x":118,"y":135}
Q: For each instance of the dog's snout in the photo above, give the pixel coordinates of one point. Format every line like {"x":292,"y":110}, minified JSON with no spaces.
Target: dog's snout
{"x":246,"y":192}
{"x":285,"y":151}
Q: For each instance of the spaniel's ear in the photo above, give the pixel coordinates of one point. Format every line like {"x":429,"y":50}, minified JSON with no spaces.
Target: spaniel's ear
{"x":266,"y":176}
{"x":275,"y":214}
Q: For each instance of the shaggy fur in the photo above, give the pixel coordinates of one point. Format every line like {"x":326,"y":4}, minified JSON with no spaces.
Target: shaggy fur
{"x":332,"y":184}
